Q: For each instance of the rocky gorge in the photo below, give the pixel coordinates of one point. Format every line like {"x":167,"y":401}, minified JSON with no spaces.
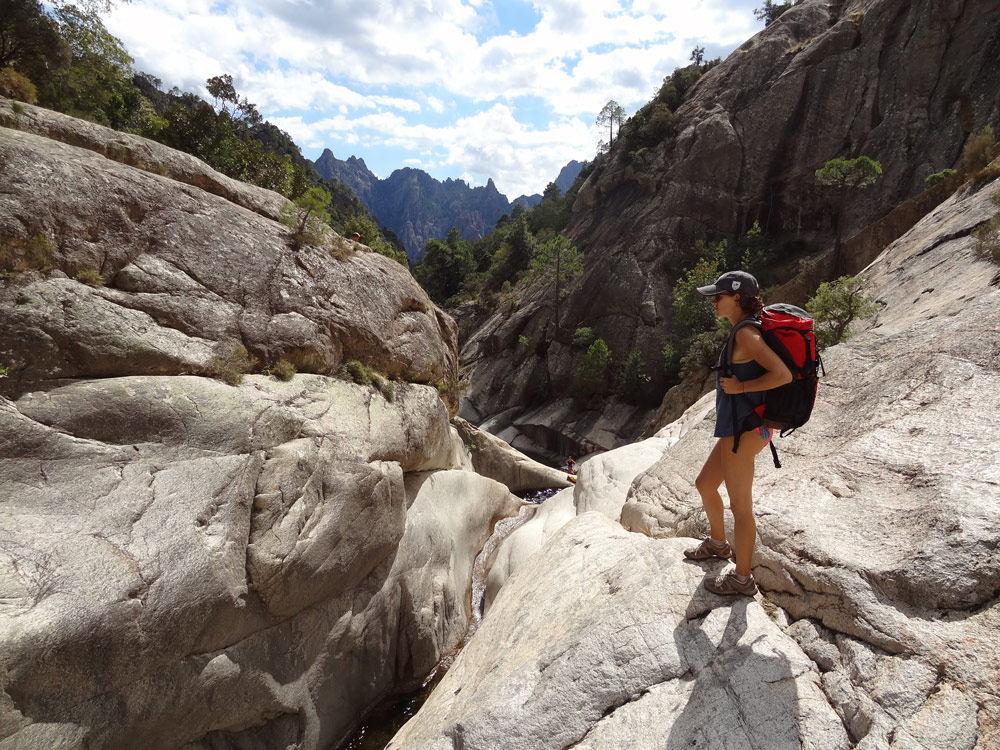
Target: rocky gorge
{"x":198,"y":554}
{"x":904,"y":83}
{"x":877,"y":559}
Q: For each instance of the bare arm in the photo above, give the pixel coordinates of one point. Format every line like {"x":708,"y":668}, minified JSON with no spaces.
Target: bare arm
{"x":750,"y":344}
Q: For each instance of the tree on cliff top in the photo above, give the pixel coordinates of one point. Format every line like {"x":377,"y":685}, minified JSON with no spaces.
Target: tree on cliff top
{"x":611,"y":115}
{"x":224,"y":92}
{"x":769,"y":11}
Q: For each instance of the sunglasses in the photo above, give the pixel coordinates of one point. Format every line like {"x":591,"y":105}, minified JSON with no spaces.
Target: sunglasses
{"x":719,"y":296}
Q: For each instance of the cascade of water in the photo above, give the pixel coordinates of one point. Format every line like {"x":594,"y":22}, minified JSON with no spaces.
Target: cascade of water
{"x":374,"y":734}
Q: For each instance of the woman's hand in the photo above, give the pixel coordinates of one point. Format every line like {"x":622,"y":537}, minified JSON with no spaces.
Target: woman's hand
{"x":732,"y":385}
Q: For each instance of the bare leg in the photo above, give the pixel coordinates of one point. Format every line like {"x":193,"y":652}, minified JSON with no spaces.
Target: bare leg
{"x":738,"y":471}
{"x":708,"y":482}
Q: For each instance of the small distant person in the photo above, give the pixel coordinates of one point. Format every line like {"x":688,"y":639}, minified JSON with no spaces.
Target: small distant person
{"x":355,"y":237}
{"x":570,"y":466}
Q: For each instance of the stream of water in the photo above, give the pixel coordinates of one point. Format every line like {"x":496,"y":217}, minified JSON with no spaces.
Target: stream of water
{"x":389,"y":718}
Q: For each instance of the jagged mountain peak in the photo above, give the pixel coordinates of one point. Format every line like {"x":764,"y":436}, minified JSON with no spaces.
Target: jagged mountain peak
{"x":419,"y":207}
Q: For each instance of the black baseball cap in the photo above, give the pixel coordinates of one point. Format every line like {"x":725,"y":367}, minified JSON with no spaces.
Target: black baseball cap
{"x":732,"y":282}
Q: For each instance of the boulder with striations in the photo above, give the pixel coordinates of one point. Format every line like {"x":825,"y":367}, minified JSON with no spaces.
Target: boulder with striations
{"x":188,"y":277}
{"x":879,"y":535}
{"x":182,"y":560}
{"x":185,"y":563}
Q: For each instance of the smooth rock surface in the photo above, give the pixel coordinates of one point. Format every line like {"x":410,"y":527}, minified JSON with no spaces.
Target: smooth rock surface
{"x":883,"y":524}
{"x":184,"y":563}
{"x":602,"y":485}
{"x":496,"y":459}
{"x":609,"y":641}
{"x":190,"y":276}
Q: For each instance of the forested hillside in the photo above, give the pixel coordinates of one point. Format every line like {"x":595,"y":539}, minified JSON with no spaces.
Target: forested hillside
{"x":65,"y":59}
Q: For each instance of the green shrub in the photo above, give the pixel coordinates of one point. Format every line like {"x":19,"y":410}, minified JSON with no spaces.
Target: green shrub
{"x":359,"y":372}
{"x":702,"y":351}
{"x":5,"y":370}
{"x":522,"y":341}
{"x":17,"y":255}
{"x":987,"y":237}
{"x":387,"y":388}
{"x":90,"y":277}
{"x":283,"y":370}
{"x":638,"y":157}
{"x":938,"y":177}
{"x":836,"y":305}
{"x":671,"y":363}
{"x":232,"y":365}
{"x":362,"y":374}
{"x":451,"y":386}
{"x":17,"y":108}
{"x":758,"y":252}
{"x":583,"y":337}
{"x":308,"y":217}
{"x":658,"y":125}
{"x":15,"y":85}
{"x":592,"y":370}
{"x":633,"y":375}
{"x":691,"y":309}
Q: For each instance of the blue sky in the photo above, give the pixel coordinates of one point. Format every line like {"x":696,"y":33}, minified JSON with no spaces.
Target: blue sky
{"x":467,"y":89}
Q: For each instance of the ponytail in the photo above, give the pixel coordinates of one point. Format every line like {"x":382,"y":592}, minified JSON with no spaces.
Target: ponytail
{"x":750,"y":305}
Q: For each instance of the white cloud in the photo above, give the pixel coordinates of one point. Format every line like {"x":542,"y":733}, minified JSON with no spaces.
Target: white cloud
{"x":360,"y":73}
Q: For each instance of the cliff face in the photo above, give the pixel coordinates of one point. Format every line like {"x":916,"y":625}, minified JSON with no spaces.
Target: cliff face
{"x":185,"y":563}
{"x":901,"y":82}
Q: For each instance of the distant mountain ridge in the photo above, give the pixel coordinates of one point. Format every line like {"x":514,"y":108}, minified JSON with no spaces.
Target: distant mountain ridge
{"x":564,"y":182}
{"x":418,"y":207}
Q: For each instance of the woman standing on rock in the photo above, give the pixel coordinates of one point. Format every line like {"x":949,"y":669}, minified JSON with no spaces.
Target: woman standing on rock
{"x":755,"y":369}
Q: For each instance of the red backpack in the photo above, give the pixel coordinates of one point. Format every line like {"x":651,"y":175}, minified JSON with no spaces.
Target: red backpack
{"x":788,"y":330}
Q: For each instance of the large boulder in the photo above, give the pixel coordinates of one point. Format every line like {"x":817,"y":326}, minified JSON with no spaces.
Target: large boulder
{"x":879,"y":533}
{"x":190,"y":277}
{"x":602,"y":485}
{"x":185,"y":563}
{"x":496,"y":459}
{"x":138,"y":152}
{"x":166,"y":538}
{"x":608,"y":640}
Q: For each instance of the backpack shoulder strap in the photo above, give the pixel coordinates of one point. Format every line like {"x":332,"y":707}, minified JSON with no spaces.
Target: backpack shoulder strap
{"x":727,"y":359}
